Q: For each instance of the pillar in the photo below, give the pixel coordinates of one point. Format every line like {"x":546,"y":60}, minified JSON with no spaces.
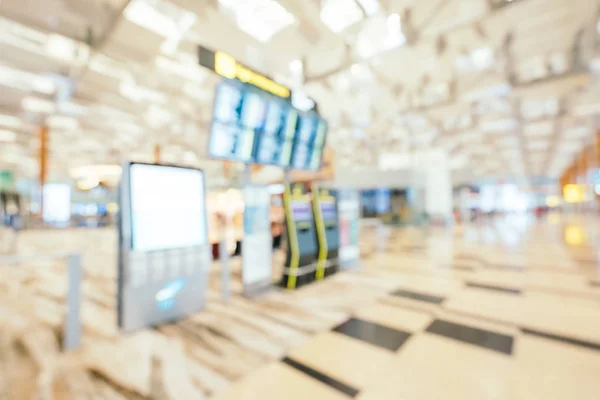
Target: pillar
{"x":156,"y":154}
{"x":43,"y":159}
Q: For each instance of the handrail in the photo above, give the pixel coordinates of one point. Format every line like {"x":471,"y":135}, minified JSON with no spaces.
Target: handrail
{"x":72,"y":327}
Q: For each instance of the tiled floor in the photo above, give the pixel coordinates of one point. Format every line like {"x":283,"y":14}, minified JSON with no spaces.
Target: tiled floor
{"x":490,"y":320}
{"x":503,"y":309}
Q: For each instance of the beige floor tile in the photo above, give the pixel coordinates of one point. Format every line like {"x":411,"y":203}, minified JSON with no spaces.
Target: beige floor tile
{"x":343,"y":358}
{"x":430,"y":367}
{"x":573,"y":317}
{"x":488,"y":304}
{"x":278,"y":381}
{"x":439,"y":285}
{"x":550,"y":370}
{"x":410,"y":304}
{"x":394,"y":317}
{"x":508,"y":279}
{"x":558,"y":281}
{"x":561,"y":315}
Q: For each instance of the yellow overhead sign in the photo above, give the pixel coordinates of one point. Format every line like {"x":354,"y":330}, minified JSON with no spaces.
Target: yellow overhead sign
{"x":228,"y":67}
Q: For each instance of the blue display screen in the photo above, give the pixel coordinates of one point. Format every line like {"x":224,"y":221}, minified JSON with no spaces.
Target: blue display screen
{"x":253,"y":126}
{"x":275,"y":141}
{"x":239,"y":113}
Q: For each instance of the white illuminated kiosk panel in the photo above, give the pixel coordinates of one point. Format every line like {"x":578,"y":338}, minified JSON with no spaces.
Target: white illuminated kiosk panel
{"x":166,"y":210}
{"x":164,"y":255}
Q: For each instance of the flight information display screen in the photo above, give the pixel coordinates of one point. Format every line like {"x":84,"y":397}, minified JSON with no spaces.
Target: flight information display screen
{"x":318,"y":145}
{"x":252,"y":126}
{"x":309,"y":142}
{"x":238,"y":114}
{"x":276,"y":139}
{"x":303,"y":140}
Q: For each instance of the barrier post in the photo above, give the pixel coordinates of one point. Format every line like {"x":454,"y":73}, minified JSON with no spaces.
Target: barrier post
{"x":225,"y":276}
{"x":72,"y":328}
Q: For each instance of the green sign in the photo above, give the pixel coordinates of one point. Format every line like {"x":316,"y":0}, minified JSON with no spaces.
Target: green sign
{"x":7,"y":180}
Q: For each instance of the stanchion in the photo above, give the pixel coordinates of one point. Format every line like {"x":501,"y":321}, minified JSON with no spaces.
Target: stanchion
{"x":225,"y":276}
{"x":72,"y":327}
{"x":381,"y":237}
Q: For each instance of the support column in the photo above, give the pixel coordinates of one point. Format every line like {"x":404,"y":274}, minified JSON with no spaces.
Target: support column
{"x":43,"y":159}
{"x":156,"y":154}
{"x":438,"y":187}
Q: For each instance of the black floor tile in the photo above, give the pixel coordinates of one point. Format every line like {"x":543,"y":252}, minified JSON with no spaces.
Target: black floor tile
{"x":375,"y":334}
{"x":564,"y":339}
{"x":478,"y":337}
{"x":418,"y":296}
{"x":513,"y":268}
{"x":495,"y":288}
{"x":327,"y":380}
{"x":462,"y":267}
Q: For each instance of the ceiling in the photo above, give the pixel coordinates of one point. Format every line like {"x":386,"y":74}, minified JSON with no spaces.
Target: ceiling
{"x":507,"y":87}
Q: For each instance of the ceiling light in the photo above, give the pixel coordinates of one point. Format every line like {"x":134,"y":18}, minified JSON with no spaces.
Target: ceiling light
{"x":380,"y":34}
{"x":7,"y":136}
{"x":577,"y":132}
{"x":587,"y":110}
{"x":61,"y":48}
{"x":499,"y":90}
{"x":558,"y":62}
{"x":538,"y":145}
{"x":481,"y":150}
{"x":128,"y":127}
{"x":470,"y":137}
{"x":37,"y":105}
{"x":10,"y":122}
{"x":569,"y":147}
{"x":157,"y":116}
{"x":296,"y":67}
{"x":394,"y":161}
{"x":22,"y":31}
{"x":26,"y":80}
{"x":197,"y":92}
{"x":71,"y":108}
{"x":189,"y":157}
{"x":96,"y":171}
{"x":338,"y":15}
{"x":161,"y":17}
{"x":62,"y":122}
{"x":543,"y":128}
{"x":539,"y":109}
{"x":184,"y":70}
{"x":136,"y":93}
{"x":508,"y":141}
{"x":53,"y":45}
{"x":261,"y":19}
{"x":104,"y":65}
{"x":502,"y":125}
{"x":301,"y":101}
{"x":476,"y":60}
{"x":342,"y":82}
{"x":371,"y":7}
{"x":511,"y":152}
